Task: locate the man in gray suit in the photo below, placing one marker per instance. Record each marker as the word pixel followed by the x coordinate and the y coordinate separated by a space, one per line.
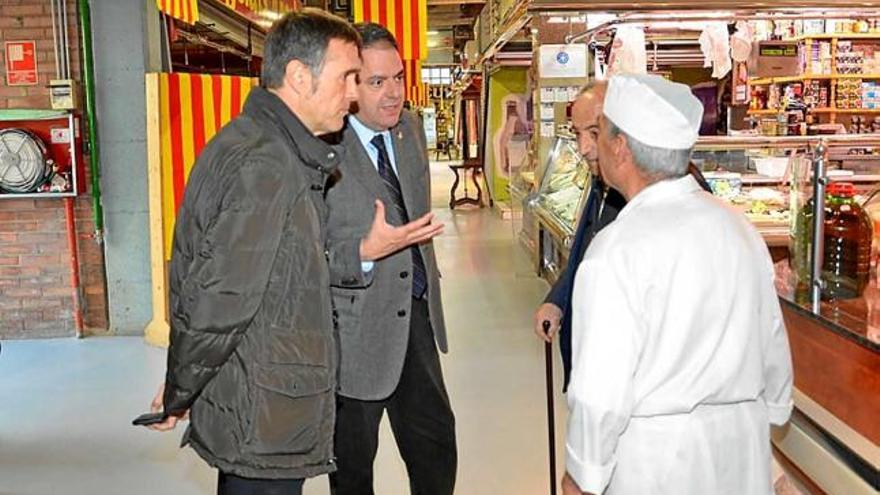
pixel 389 313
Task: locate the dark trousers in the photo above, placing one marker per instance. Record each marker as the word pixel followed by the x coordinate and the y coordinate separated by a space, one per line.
pixel 228 484
pixel 420 417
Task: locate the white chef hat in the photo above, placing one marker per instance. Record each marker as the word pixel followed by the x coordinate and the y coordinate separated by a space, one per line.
pixel 655 111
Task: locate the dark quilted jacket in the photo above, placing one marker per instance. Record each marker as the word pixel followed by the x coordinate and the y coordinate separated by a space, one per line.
pixel 253 352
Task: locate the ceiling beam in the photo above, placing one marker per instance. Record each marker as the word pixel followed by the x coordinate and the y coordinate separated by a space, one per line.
pixel 450 19
pixel 449 24
pixel 454 2
pixel 446 16
pixel 450 13
pixel 438 21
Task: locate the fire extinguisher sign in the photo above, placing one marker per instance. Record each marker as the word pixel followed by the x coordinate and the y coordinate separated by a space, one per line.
pixel 21 63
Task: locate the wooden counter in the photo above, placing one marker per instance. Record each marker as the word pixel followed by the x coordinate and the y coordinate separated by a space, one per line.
pixel 835 369
pixel 836 360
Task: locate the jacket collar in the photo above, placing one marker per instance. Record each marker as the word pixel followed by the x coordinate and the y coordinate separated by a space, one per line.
pixel 269 109
pixel 406 155
pixel 366 135
pixel 359 163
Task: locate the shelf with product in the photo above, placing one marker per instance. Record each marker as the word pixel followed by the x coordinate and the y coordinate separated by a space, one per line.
pixel 814 78
pixel 836 36
pixel 810 77
pixel 846 110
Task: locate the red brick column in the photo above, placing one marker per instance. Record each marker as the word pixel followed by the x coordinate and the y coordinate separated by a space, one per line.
pixel 36 299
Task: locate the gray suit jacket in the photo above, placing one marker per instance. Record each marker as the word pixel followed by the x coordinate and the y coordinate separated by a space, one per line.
pixel 373 309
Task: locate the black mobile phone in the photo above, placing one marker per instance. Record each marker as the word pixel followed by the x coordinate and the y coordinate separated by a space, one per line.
pixel 148 419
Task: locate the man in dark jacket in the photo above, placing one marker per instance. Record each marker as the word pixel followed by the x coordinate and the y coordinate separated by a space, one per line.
pixel 253 355
pixel 602 206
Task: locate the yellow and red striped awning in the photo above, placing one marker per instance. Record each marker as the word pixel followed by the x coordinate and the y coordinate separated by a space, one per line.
pixel 406 19
pixel 185 10
pixel 412 70
pixel 261 10
pixel 192 108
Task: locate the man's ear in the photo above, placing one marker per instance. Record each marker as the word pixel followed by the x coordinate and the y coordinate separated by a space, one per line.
pixel 298 77
pixel 620 150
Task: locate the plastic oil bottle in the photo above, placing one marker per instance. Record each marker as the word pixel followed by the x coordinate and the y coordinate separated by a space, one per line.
pixel 848 234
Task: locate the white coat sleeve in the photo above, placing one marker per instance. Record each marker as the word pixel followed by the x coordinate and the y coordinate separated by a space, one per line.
pixel 777 356
pixel 605 351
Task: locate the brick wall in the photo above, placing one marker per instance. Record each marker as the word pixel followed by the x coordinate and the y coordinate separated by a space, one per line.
pixel 36 299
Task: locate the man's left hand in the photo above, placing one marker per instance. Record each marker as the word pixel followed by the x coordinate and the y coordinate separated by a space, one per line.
pixel 172 419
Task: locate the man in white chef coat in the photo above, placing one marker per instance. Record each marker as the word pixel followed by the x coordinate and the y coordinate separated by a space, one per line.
pixel 680 357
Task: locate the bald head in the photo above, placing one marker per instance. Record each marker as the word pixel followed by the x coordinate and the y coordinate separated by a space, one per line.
pixel 585 120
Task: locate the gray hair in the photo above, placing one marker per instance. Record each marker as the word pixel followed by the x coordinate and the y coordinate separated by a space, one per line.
pixel 655 163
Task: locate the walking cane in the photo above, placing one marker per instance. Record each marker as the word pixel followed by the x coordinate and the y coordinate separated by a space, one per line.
pixel 551 416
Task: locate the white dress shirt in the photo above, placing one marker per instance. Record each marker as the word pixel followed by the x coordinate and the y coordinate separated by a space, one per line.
pixel 366 135
pixel 680 356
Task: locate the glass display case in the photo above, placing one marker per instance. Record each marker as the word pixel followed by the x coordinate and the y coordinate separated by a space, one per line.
pixel 566 177
pixel 757 175
pixel 558 205
pixel 753 181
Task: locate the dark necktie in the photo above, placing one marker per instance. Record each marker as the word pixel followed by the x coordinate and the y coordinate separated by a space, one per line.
pixel 383 164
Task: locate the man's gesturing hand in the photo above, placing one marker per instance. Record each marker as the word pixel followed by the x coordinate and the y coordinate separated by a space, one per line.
pixel 384 239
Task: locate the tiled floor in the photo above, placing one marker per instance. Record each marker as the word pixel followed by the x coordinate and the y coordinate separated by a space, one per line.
pixel 65 405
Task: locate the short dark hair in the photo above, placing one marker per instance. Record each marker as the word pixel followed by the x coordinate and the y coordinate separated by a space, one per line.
pixel 302 36
pixel 374 34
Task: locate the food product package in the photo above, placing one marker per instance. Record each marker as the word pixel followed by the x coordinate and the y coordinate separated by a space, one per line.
pixel 715 45
pixel 628 54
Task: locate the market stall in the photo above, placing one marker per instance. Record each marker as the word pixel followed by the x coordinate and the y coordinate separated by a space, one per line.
pixel 795 85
